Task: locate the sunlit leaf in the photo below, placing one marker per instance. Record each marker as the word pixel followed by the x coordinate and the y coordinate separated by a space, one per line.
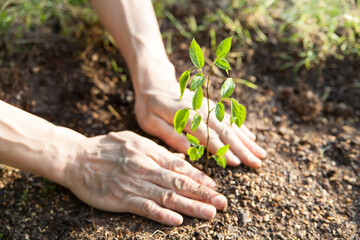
pixel 221 151
pixel 238 113
pixel 193 153
pixel 197 98
pixel 220 111
pixel 223 64
pixel 200 151
pixel 195 122
pixel 224 47
pixel 227 88
pixel 180 119
pixel 197 81
pixel 192 140
pixel 220 160
pixel 183 82
pixel 196 55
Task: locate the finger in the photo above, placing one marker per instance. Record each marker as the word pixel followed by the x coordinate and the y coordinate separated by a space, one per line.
pixel 170 199
pixel 250 144
pixel 185 168
pixel 187 187
pixel 150 209
pixel 251 135
pixel 228 136
pixel 165 132
pixel 180 155
pixel 243 129
pixel 241 145
pixel 240 134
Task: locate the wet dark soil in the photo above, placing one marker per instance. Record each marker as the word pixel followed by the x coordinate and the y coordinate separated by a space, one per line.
pixel 307 188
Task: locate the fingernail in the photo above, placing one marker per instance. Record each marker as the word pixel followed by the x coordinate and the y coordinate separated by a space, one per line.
pixel 256 161
pixel 252 136
pixel 208 211
pixel 219 202
pixel 236 160
pixel 176 219
pixel 262 152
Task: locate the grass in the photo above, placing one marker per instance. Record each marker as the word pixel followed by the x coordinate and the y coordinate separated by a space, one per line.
pixel 317 28
pixel 23 14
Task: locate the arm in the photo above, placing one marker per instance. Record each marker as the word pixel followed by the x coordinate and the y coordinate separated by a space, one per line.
pixel 134 27
pixel 117 172
pixel 21 146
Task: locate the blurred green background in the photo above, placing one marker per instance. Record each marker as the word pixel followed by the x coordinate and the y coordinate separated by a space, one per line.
pixel 316 28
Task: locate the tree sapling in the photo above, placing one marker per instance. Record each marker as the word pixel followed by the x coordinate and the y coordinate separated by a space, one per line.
pixel 238 111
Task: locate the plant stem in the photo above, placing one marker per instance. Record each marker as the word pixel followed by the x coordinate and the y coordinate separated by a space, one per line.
pixel 208 117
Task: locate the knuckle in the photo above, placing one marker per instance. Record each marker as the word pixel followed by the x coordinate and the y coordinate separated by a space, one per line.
pixel 148 208
pixel 215 139
pixel 168 198
pixel 180 183
pixel 177 165
pixel 225 131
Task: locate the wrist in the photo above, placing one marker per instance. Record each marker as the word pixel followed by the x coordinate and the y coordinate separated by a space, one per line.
pixel 63 145
pixel 152 73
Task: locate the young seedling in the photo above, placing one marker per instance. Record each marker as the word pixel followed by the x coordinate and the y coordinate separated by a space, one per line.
pixel 238 111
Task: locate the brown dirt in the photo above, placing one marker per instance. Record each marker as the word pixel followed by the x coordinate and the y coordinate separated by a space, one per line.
pixel 307 188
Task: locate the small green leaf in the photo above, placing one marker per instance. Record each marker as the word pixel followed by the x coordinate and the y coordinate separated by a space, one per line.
pixel 227 88
pixel 220 111
pixel 193 140
pixel 193 153
pixel 200 151
pixel 224 47
pixel 223 64
pixel 195 122
pixel 183 82
pixel 196 55
pixel 221 151
pixel 197 98
pixel 180 120
pixel 197 81
pixel 220 160
pixel 238 113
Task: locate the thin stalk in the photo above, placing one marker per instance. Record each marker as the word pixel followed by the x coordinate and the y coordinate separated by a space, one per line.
pixel 208 117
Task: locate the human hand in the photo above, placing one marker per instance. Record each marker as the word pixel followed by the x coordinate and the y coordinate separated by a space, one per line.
pixel 124 172
pixel 155 108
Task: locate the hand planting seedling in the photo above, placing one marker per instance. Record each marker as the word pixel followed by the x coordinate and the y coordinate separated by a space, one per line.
pixel 238 111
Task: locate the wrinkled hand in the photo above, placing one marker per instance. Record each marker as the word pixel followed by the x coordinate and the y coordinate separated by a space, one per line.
pixel 156 108
pixel 124 172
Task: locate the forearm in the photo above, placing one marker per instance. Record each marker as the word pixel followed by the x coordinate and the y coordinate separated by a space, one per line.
pixel 135 29
pixel 32 144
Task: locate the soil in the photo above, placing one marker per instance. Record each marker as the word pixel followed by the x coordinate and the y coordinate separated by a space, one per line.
pixel 307 188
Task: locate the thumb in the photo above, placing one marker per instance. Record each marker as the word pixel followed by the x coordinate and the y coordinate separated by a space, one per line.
pixel 166 132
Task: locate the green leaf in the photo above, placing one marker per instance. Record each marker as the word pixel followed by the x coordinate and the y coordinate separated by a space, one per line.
pixel 193 153
pixel 200 151
pixel 227 88
pixel 238 113
pixel 197 81
pixel 221 151
pixel 193 140
pixel 246 83
pixel 183 82
pixel 180 120
pixel 195 122
pixel 220 111
pixel 196 55
pixel 220 160
pixel 224 47
pixel 197 98
pixel 223 64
